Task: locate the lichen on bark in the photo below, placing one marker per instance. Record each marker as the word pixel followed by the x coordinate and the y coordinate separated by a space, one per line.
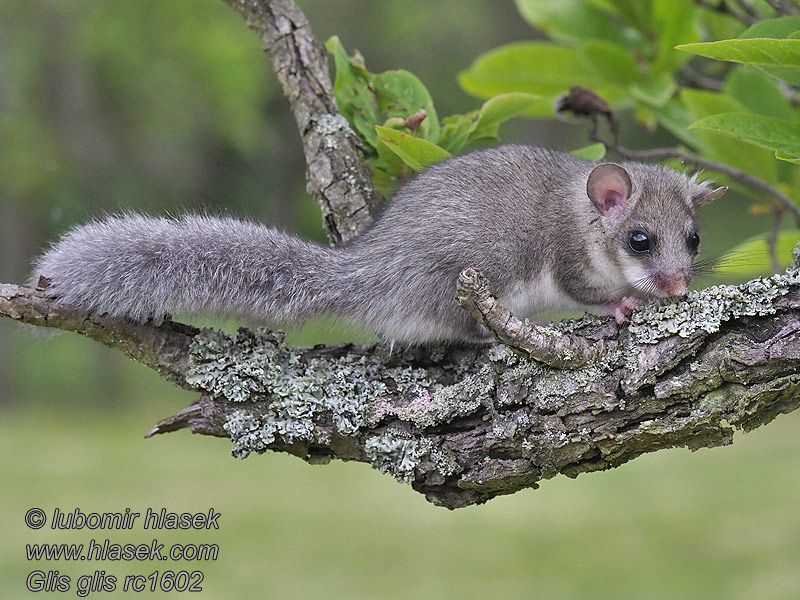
pixel 708 308
pixel 461 425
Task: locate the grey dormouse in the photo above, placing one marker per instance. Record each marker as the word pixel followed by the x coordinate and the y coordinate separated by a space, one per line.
pixel 548 230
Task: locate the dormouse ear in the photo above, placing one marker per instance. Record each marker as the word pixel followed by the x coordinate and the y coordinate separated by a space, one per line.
pixel 609 187
pixel 705 195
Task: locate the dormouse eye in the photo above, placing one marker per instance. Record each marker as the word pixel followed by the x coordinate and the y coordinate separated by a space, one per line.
pixel 693 241
pixel 639 241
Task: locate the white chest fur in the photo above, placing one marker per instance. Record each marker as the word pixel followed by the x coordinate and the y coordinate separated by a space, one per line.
pixel 533 296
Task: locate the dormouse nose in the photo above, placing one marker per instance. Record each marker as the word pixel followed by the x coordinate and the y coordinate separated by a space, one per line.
pixel 677 285
pixel 672 284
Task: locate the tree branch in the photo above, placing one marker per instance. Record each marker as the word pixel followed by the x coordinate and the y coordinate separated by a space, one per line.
pixel 747 14
pixel 163 348
pixel 546 345
pixel 585 103
pixel 749 9
pixel 784 7
pixel 337 177
pixel 463 425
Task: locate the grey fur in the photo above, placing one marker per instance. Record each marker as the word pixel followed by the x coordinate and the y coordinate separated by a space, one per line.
pixel 519 214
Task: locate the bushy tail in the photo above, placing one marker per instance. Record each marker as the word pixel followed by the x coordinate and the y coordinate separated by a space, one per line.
pixel 145 267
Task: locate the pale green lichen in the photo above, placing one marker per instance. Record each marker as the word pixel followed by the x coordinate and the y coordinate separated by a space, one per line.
pixel 305 396
pixel 552 330
pixel 442 403
pixel 705 310
pixel 254 365
pixel 531 381
pixel 248 434
pixel 503 354
pixel 232 371
pixel 394 454
pixel 329 126
pixel 517 382
pixel 573 325
pixel 443 459
pixel 795 264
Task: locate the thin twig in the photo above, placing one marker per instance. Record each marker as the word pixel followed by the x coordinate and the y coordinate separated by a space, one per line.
pixel 163 347
pixel 749 9
pixel 751 181
pixel 723 7
pixel 543 344
pixel 699 80
pixel 772 240
pixel 784 7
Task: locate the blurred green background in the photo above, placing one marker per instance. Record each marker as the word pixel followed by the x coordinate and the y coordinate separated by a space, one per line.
pixel 170 106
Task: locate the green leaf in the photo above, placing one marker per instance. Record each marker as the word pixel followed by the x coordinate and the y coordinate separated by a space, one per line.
pixel 532 67
pixel 758 93
pixel 356 100
pixel 455 131
pixel 637 13
pixel 645 116
pixel 366 99
pixel 768 132
pixel 656 92
pixel 503 107
pixel 790 75
pixel 572 21
pixel 382 179
pixel 613 63
pixel 593 152
pixel 751 258
pixel 675 117
pixel 795 160
pixel 676 23
pixel 780 28
pixel 386 161
pixel 400 93
pixel 720 26
pixel 498 109
pixel 703 103
pixel 538 68
pixel 760 51
pixel 417 153
pixel 720 146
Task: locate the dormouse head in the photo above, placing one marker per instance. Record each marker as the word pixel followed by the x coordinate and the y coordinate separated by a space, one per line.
pixel 648 215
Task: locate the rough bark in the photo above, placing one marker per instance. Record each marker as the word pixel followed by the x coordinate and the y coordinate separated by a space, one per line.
pixel 547 345
pixel 163 348
pixel 337 177
pixel 463 425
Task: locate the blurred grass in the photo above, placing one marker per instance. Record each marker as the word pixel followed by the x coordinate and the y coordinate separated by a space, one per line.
pixel 719 523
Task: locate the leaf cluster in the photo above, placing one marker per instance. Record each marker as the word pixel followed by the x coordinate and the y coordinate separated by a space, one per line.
pixel 395 116
pixel 646 57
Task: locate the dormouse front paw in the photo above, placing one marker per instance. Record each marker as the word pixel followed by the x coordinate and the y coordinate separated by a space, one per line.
pixel 624 307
